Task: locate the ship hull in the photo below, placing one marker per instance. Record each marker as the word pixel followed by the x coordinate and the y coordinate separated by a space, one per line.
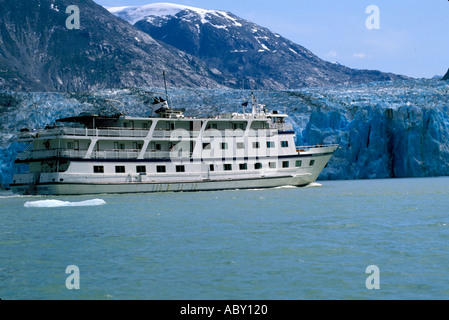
pixel 77 184
pixel 99 188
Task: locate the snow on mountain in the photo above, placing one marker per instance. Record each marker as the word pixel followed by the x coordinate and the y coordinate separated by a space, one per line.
pixel 384 130
pixel 133 14
pixel 240 53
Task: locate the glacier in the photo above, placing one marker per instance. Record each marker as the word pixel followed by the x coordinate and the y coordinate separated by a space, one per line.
pixel 384 129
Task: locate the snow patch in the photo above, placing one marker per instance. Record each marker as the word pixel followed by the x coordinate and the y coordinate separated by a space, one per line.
pixel 132 14
pixel 293 51
pixel 54 7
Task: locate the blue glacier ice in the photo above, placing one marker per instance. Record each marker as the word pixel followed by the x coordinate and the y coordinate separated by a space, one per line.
pixel 384 129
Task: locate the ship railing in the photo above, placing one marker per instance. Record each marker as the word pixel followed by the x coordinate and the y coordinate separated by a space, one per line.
pixel 134 154
pixel 262 132
pixel 166 134
pixel 115 154
pixel 281 126
pixel 51 153
pixel 317 146
pixel 103 154
pixel 211 133
pixel 106 132
pixel 85 132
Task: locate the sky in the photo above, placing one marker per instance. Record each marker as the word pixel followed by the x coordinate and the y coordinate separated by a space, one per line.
pixel 404 37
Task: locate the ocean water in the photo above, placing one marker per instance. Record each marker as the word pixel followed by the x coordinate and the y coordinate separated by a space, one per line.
pixel 277 244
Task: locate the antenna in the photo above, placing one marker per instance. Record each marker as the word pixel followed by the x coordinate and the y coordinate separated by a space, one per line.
pixel 165 83
pixel 111 100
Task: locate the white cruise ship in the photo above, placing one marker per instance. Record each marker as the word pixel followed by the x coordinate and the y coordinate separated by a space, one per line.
pixel 166 152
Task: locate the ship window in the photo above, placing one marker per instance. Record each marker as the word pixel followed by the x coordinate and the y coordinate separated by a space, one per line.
pixel 63 166
pixel 284 144
pixel 285 164
pixel 98 169
pixel 256 145
pixel 69 145
pixel 170 126
pixel 312 162
pixel 224 145
pixel 270 144
pixel 141 169
pixel 161 169
pixel 243 166
pixel 298 163
pixel 180 169
pixel 122 146
pixel 240 145
pixel 77 145
pixel 258 166
pixel 211 167
pixel 119 169
pixel 272 165
pixel 227 167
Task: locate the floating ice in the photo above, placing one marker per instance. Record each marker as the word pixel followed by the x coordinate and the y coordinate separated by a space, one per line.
pixel 58 203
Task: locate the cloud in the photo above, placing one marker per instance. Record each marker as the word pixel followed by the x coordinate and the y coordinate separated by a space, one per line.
pixel 360 55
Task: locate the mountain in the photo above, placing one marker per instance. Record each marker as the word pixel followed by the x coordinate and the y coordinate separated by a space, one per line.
pixel 446 76
pixel 39 53
pixel 239 50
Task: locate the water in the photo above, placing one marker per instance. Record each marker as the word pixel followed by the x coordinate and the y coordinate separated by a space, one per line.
pixel 276 244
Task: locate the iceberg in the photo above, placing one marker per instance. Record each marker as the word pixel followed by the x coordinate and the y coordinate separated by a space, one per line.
pixel 384 129
pixel 58 203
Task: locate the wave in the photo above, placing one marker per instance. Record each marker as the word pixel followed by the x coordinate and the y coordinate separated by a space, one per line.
pixel 314 185
pixel 286 187
pixel 58 203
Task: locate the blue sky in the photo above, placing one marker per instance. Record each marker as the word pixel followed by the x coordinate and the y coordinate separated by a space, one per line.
pixel 413 38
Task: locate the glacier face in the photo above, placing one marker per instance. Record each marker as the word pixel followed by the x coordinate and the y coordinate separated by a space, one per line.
pixel 384 129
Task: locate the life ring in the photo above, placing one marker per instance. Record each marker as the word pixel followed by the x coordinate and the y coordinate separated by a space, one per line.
pixel 47 144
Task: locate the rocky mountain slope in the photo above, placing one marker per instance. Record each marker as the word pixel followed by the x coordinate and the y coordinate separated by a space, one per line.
pixel 446 76
pixel 242 52
pixel 39 53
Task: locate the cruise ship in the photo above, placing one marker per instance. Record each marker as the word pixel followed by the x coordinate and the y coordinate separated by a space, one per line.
pixel 166 152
